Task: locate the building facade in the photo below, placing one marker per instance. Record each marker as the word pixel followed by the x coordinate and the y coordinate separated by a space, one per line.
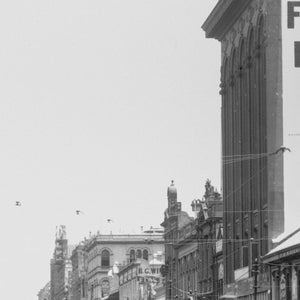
pixel 142 279
pixel 61 267
pixel 210 228
pixel 186 249
pixel 252 135
pixel 44 293
pixel 284 262
pixel 105 251
pixel 193 246
pixel 78 289
pixel 174 218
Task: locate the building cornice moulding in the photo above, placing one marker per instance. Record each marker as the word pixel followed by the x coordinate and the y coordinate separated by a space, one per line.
pixel 223 16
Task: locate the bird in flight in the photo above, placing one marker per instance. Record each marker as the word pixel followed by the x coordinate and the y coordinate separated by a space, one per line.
pixel 282 149
pixel 18 203
pixel 78 212
pixel 109 220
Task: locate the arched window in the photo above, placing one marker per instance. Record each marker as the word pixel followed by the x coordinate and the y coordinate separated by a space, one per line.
pixel 138 253
pixel 105 288
pixel 105 259
pixel 132 256
pixel 145 254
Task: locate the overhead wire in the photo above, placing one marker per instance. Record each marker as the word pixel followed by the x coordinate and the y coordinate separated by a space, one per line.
pixel 213 241
pixel 227 161
pixel 239 188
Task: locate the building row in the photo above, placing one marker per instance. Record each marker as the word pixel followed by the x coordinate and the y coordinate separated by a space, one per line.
pixel 172 259
pixel 106 266
pixel 194 246
pixel 241 253
pixel 233 246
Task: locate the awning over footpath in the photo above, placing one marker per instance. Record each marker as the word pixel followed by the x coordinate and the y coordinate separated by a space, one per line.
pixel 287 246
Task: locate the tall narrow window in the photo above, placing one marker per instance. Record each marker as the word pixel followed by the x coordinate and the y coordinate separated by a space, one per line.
pixel 105 259
pixel 132 255
pixel 138 253
pixel 104 288
pixel 145 254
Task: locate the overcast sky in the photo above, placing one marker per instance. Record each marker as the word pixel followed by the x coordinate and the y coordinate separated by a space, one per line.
pixel 103 103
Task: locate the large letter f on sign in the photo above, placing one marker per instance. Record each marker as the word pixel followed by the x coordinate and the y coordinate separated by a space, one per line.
pixel 292 13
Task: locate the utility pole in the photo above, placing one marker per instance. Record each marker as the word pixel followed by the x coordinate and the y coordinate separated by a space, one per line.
pixel 255 272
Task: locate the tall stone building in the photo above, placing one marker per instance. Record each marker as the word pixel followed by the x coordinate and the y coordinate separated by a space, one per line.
pixel 61 266
pixel 192 246
pixel 209 239
pixel 78 289
pixel 252 134
pixel 104 251
pixel 142 279
pixel 174 218
pixel 44 293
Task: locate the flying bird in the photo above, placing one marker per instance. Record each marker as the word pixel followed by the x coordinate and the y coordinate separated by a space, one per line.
pixel 109 220
pixel 18 203
pixel 282 149
pixel 78 212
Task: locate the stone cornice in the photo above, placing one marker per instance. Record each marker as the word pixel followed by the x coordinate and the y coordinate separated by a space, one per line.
pixel 225 13
pixel 283 255
pixel 124 239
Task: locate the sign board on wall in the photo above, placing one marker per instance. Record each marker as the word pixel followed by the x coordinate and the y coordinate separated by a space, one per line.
pixel 291 104
pixel 293 20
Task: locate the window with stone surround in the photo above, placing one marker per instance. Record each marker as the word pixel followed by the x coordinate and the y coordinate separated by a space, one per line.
pixel 105 259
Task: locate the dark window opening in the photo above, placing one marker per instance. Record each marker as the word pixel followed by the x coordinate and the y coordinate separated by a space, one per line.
pixel 105 258
pixel 132 256
pixel 145 254
pixel 139 254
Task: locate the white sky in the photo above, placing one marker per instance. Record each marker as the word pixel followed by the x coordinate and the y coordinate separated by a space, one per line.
pixel 103 103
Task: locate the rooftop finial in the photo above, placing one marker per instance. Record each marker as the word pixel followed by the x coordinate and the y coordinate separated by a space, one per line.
pixel 172 191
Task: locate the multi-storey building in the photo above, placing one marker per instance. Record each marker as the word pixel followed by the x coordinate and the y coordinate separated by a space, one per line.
pixel 252 135
pixel 186 259
pixel 61 267
pixel 44 293
pixel 193 246
pixel 209 227
pixel 78 288
pixel 142 279
pixel 105 251
pixel 174 218
pixel 284 262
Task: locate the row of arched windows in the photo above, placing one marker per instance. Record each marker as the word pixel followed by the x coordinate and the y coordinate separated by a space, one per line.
pixel 138 254
pixel 133 255
pixel 244 107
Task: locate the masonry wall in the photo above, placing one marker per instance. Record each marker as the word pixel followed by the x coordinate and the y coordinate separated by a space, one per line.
pixel 119 252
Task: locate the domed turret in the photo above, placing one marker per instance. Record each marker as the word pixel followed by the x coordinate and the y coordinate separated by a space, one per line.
pixel 172 194
pixel 172 191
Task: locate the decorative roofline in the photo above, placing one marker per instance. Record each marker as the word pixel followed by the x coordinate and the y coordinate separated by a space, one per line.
pixel 224 14
pixel 124 239
pixel 282 254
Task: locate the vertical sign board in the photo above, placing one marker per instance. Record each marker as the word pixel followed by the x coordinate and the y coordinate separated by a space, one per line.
pixel 297 54
pixel 293 13
pixel 291 103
